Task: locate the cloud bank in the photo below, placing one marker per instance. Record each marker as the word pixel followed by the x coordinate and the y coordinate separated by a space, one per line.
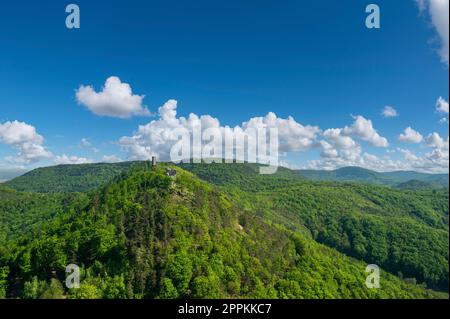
pixel 25 139
pixel 158 137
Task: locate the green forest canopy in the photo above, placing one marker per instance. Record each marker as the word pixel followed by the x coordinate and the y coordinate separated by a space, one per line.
pixel 142 234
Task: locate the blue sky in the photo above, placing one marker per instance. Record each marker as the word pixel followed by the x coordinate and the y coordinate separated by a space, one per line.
pixel 233 60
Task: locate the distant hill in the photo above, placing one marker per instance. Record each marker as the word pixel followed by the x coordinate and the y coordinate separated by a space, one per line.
pixel 68 178
pixel 358 174
pixel 414 184
pixel 85 177
pixel 246 176
pixel 353 174
pixel 404 176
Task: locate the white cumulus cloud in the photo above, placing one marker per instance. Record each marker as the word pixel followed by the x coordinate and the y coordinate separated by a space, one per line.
pixel 25 139
pixel 442 108
pixel 410 135
pixel 116 99
pixel 363 129
pixel 439 14
pixel 339 139
pixel 434 140
pixel 408 155
pixel 13 133
pixel 389 111
pixel 339 149
pixel 437 159
pixel 442 105
pixel 293 136
pixel 157 137
pixel 328 150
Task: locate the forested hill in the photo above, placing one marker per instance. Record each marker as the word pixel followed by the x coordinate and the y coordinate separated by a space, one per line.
pixel 68 178
pixel 147 235
pixel 405 231
pixel 84 177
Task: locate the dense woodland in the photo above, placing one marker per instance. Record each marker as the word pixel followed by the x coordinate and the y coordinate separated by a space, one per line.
pixel 217 231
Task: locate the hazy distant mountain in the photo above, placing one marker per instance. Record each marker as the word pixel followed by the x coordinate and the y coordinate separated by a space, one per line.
pixel 358 174
pixel 8 173
pixel 414 184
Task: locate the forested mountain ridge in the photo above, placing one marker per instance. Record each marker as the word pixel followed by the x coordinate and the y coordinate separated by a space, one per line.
pixel 358 174
pixel 68 178
pixel 147 235
pixel 85 177
pixel 405 231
